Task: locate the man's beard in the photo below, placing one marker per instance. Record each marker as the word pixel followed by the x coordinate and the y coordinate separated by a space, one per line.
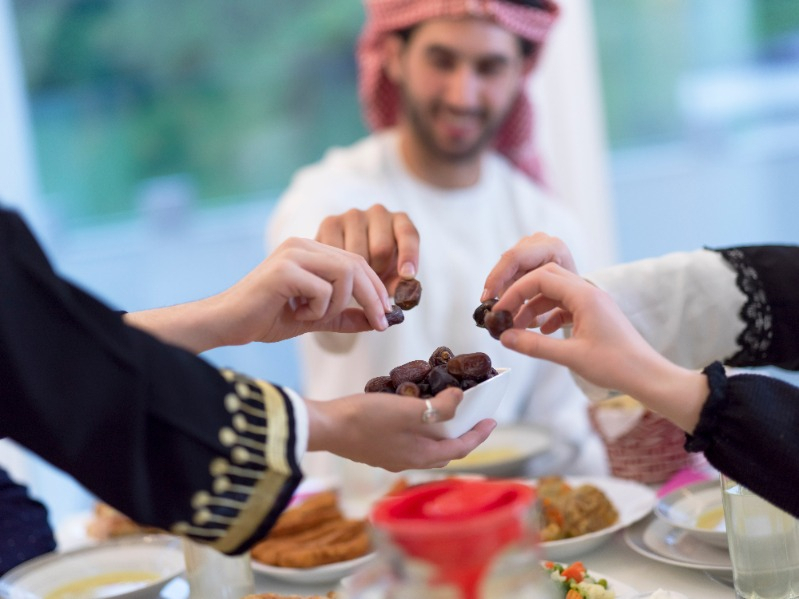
pixel 423 131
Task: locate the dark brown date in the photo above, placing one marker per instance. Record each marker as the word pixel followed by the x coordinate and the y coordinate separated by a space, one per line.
pixel 442 355
pixel 481 310
pixel 408 293
pixel 468 384
pixel 379 384
pixel 395 316
pixel 469 366
pixel 498 322
pixel 439 379
pixel 414 371
pixel 410 389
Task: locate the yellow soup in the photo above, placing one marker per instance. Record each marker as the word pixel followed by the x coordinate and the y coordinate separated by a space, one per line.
pixel 711 519
pixel 482 457
pixel 104 585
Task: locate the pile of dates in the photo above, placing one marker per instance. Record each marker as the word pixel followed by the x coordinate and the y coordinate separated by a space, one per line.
pixel 426 378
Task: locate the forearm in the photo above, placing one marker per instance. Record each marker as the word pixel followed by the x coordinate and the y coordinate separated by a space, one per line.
pixel 194 326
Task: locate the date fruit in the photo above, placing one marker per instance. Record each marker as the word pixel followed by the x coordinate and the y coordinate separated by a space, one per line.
pixel 410 389
pixel 379 384
pixel 395 316
pixel 408 293
pixel 476 365
pixel 442 355
pixel 414 371
pixel 439 379
pixel 426 378
pixel 498 322
pixel 481 310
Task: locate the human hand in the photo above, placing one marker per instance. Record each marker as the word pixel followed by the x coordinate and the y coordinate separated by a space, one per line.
pixel 528 254
pixel 603 346
pixel 387 430
pixel 387 240
pixel 303 286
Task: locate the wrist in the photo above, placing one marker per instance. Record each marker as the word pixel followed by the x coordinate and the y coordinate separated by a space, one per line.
pixel 321 424
pixel 675 392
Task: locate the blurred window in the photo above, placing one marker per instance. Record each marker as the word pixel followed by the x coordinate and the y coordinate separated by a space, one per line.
pixel 702 106
pixel 202 101
pixel 673 68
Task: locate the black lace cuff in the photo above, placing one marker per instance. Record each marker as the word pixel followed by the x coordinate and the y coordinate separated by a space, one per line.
pixel 755 339
pixel 705 429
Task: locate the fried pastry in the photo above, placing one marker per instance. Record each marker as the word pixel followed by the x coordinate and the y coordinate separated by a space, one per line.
pixel 314 511
pixel 330 542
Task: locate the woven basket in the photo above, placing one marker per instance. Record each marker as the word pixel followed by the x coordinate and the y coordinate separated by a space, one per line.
pixel 651 452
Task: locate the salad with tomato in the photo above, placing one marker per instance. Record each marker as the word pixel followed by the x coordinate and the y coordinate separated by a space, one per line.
pixel 577 583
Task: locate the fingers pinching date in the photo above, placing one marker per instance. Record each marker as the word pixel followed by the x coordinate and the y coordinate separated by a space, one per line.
pixel 395 316
pixel 408 293
pixel 498 322
pixel 481 311
pixel 426 378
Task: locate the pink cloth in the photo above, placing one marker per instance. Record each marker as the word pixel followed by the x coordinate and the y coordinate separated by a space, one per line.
pixel 380 98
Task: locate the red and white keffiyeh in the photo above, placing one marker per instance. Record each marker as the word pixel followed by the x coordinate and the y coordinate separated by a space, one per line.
pixel 381 99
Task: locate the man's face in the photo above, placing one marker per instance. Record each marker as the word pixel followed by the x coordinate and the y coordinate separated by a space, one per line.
pixel 458 79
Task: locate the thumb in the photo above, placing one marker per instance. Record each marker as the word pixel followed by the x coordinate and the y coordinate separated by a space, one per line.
pixel 536 345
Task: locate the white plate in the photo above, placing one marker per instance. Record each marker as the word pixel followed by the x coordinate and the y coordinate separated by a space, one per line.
pixel 622 591
pixel 633 501
pixel 327 573
pixel 478 403
pixel 505 452
pixel 158 555
pixel 655 539
pixel 688 506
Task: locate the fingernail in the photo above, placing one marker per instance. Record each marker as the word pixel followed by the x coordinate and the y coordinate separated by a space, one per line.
pixel 386 304
pixel 383 322
pixel 509 337
pixel 407 270
pixel 485 295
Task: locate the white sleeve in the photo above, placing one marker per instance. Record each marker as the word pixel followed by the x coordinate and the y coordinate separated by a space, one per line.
pixel 686 305
pixel 301 423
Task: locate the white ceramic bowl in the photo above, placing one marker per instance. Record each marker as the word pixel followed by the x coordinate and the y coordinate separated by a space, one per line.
pixel 478 403
pixel 135 567
pixel 696 509
pixel 505 453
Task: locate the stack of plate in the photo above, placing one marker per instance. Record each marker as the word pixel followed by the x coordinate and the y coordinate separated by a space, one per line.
pixel 686 529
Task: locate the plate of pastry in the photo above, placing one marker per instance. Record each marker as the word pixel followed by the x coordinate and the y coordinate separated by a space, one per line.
pixel 316 575
pixel 314 542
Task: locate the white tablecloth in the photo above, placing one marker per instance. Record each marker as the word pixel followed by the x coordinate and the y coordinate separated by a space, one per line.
pixel 613 559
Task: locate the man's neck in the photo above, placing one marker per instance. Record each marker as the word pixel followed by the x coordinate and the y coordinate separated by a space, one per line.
pixel 435 171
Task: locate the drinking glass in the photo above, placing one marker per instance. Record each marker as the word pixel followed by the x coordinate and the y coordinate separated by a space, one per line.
pixel 764 545
pixel 212 574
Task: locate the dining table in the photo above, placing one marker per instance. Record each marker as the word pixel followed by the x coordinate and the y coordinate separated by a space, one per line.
pixel 613 559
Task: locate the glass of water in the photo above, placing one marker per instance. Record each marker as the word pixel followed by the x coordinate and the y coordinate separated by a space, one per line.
pixel 764 545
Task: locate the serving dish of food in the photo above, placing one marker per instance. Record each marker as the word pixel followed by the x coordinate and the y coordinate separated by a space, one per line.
pixel 483 385
pixel 697 509
pixel 579 513
pixel 505 453
pixel 132 567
